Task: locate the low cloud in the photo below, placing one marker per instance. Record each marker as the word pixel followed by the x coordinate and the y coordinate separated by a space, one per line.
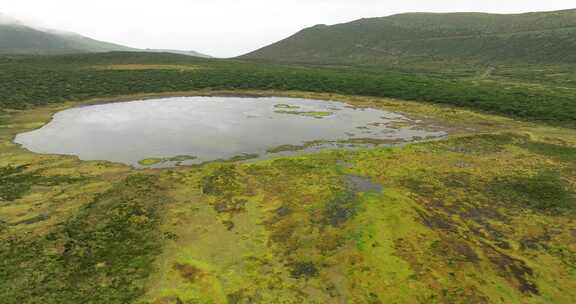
pixel 8 20
pixel 5 19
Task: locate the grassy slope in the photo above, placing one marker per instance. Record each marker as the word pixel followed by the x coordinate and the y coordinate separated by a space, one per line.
pixel 545 37
pixel 23 40
pixel 18 39
pixel 485 217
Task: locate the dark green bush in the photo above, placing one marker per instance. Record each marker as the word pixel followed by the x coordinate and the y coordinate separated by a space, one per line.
pixel 102 255
pixel 41 80
pixel 545 191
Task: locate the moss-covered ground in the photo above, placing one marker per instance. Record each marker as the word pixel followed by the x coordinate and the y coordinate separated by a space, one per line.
pixel 317 114
pixel 485 216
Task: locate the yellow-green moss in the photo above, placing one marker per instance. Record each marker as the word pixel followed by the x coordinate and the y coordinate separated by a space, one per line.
pixel 150 161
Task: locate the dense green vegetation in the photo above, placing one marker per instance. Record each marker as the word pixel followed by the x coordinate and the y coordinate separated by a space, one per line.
pixel 543 37
pixel 15 181
pixel 103 254
pixel 546 190
pixel 26 81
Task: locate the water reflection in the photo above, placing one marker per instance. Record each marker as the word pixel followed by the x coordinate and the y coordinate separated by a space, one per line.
pixel 190 130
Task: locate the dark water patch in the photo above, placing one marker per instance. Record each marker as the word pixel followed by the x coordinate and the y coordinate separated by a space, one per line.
pixel 303 270
pixel 340 208
pixel 358 183
pixel 282 211
pixel 189 272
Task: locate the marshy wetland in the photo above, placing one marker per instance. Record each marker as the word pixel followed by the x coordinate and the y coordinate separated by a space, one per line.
pixel 175 131
pixel 417 158
pixel 485 215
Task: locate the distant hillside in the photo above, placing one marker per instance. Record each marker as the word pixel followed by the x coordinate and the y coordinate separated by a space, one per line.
pixel 179 52
pixel 19 38
pixel 531 37
pixel 22 39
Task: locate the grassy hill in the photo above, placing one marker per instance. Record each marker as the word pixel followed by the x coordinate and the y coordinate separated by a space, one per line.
pixel 179 52
pixel 543 37
pixel 21 39
pixel 17 38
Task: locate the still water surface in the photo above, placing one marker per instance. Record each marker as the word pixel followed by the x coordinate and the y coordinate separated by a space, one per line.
pixel 192 130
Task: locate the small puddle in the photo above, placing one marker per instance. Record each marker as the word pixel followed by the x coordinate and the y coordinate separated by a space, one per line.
pixel 362 184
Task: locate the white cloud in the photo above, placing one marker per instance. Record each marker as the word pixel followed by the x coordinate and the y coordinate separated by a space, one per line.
pixel 5 19
pixel 228 27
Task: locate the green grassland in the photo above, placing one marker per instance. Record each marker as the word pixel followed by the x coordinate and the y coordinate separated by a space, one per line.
pixel 487 216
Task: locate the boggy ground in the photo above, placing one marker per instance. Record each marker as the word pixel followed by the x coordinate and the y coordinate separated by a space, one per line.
pixel 486 216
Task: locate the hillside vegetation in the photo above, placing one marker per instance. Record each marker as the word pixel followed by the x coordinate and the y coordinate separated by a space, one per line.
pixel 543 37
pixel 17 38
pixel 26 81
pixel 21 39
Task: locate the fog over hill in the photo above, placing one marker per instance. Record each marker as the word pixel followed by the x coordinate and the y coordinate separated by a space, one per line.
pixel 19 38
pixel 5 19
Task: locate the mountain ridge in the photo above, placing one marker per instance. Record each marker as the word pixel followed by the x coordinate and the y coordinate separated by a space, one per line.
pixel 536 37
pixel 179 52
pixel 18 38
pixel 24 39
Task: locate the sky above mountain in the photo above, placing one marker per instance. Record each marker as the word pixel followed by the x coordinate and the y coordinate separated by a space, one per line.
pixel 227 28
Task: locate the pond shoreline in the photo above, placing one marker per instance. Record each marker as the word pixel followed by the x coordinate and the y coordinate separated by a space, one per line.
pixel 458 122
pixel 151 132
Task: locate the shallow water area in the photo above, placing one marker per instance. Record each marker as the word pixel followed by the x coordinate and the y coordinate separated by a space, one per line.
pixel 175 131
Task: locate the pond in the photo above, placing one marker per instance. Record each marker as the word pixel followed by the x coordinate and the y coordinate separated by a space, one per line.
pixel 175 131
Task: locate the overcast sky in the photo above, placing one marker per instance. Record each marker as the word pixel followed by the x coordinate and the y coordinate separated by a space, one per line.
pixel 227 28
